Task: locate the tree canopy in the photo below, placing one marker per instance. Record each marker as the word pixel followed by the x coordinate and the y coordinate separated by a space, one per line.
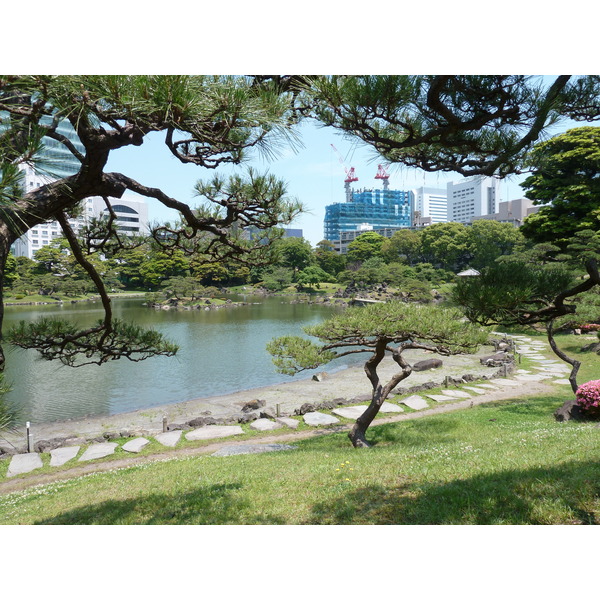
pixel 378 330
pixel 566 181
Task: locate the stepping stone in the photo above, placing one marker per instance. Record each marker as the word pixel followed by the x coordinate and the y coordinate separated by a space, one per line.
pixel 505 382
pixel 59 456
pixel 288 422
pixel 213 431
pixel 531 377
pixel 456 394
pixel 251 449
pixel 98 451
pixel 350 412
pixel 316 418
pixel 474 389
pixel 24 463
pixel 415 402
pixel 487 386
pixel 562 381
pixel 264 425
pixel 441 398
pixel 524 371
pixel 388 407
pixel 136 445
pixel 168 438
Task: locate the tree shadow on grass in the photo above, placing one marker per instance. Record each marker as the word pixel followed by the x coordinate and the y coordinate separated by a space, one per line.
pixel 565 494
pixel 205 505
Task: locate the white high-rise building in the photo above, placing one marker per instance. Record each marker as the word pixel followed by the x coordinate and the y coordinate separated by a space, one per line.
pixel 472 197
pixel 430 206
pixel 131 212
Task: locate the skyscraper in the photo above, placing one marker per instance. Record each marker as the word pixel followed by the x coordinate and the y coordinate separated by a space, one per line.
pixel 472 197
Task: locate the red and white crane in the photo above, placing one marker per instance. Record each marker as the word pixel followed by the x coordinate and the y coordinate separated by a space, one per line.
pixel 383 175
pixel 350 175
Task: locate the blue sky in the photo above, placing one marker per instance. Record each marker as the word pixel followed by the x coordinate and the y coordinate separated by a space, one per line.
pixel 312 172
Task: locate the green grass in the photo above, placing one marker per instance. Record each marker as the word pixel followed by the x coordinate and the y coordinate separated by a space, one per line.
pixel 507 462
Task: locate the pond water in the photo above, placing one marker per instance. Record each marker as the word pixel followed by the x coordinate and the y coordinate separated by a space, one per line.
pixel 221 351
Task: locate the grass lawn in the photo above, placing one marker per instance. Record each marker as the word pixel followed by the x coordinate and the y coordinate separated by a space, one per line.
pixel 503 463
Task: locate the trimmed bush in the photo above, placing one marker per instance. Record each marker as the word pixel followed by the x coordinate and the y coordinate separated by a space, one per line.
pixel 588 397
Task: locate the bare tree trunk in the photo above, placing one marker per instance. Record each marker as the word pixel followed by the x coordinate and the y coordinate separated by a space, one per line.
pixel 380 393
pixel 575 364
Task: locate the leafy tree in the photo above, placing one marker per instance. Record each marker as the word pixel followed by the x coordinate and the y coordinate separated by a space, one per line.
pixel 566 179
pixel 206 121
pixel 277 278
pixel 513 293
pixel 312 276
pixel 367 245
pixel 328 259
pixel 294 253
pixel 379 330
pixel 404 245
pixel 488 240
pixel 446 245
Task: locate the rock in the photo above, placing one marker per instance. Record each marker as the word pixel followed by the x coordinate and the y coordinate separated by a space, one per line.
pixel 23 463
pixel 265 425
pixel 202 422
pixel 316 418
pixel 111 435
pixel 319 376
pixel 246 417
pixel 415 402
pixel 169 438
pixel 99 450
pixel 362 398
pixel 213 431
pixel 267 413
pixel 288 422
pixel 59 456
pixel 496 360
pixel 48 445
pixel 305 408
pixel 327 405
pixel 570 410
pixel 136 445
pixel 425 365
pixel 176 426
pixel 253 405
pixel 351 412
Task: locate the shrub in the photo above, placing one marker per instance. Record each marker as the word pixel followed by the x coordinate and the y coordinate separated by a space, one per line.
pixel 588 397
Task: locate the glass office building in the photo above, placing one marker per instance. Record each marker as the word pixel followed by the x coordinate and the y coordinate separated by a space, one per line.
pixel 378 208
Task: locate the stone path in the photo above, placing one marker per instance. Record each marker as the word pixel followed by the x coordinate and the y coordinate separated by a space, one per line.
pixel 546 369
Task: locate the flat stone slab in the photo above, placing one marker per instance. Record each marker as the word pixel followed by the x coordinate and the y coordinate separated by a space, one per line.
pixel 441 397
pixel 98 451
pixel 213 431
pixel 488 386
pixel 264 425
pixel 136 445
pixel 316 418
pixel 288 422
pixel 474 389
pixel 562 381
pixel 532 377
pixel 168 438
pixel 456 394
pixel 350 412
pixel 388 407
pixel 59 456
pixel 23 463
pixel 524 371
pixel 505 382
pixel 415 402
pixel 252 449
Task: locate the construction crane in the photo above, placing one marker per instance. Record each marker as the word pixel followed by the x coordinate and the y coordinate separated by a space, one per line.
pixel 350 175
pixel 383 175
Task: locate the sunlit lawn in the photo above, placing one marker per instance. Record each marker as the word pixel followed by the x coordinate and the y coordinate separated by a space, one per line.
pixel 502 463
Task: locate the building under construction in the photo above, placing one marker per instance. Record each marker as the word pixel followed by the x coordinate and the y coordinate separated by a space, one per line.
pixel 377 208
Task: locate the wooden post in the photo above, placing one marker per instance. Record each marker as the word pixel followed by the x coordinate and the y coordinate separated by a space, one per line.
pixel 165 424
pixel 277 409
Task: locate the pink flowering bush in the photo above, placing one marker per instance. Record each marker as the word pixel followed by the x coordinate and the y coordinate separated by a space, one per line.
pixel 588 397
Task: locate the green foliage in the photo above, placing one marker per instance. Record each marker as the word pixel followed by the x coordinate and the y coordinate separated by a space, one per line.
pixel 510 293
pixel 488 240
pixel 294 253
pixel 312 276
pixel 62 340
pixel 404 244
pixel 566 176
pixel 328 259
pixel 293 354
pixel 446 245
pixel 367 245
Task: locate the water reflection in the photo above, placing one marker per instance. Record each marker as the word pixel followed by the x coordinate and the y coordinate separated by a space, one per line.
pixel 221 351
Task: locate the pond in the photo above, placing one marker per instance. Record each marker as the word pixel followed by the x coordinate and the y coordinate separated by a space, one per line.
pixel 221 351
